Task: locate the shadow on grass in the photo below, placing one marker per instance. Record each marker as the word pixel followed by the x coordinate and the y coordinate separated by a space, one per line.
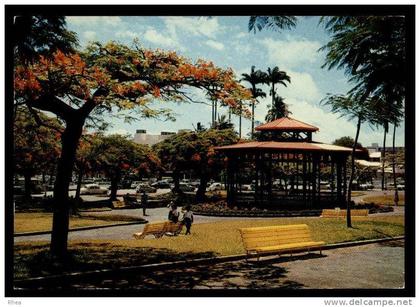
pixel 227 275
pixel 396 243
pixel 265 274
pixel 34 261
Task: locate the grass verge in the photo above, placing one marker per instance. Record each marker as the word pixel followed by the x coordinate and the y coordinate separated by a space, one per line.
pixel 387 200
pixel 42 221
pixel 210 239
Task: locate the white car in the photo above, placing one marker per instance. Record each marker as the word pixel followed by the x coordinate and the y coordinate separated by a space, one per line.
pixel 216 186
pixel 93 189
pixel 401 187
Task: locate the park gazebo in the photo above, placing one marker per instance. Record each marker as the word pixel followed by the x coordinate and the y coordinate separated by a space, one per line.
pixel 286 168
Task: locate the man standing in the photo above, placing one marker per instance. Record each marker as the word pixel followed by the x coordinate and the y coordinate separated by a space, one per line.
pixel 144 202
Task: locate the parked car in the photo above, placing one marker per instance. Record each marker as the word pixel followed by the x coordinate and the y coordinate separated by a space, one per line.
pixel 216 186
pixel 93 189
pixel 186 187
pixel 145 187
pixel 246 187
pixel 401 186
pixel 195 183
pixel 366 186
pixel 161 185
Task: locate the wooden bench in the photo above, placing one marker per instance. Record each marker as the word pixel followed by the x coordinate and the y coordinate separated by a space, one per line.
pixel 131 201
pixel 116 204
pixel 278 239
pixel 159 229
pixel 343 213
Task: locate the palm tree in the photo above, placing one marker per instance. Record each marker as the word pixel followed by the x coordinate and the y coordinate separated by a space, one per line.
pixel 354 108
pixel 277 111
pixel 276 76
pixel 272 22
pixel 223 123
pixel 371 50
pixel 255 78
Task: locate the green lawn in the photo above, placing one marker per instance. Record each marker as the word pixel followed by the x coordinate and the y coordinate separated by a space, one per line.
pixel 41 221
pixel 387 200
pixel 219 238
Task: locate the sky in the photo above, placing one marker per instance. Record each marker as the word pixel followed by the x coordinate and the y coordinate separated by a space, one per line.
pixel 226 41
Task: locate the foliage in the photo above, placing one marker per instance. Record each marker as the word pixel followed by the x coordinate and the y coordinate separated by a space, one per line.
pixel 278 110
pixel 371 49
pixel 194 151
pixel 255 78
pixel 271 22
pixel 41 35
pixel 346 141
pixel 115 155
pixel 36 147
pixel 114 75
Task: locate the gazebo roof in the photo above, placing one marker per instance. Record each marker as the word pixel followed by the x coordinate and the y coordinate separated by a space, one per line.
pixel 285 146
pixel 287 124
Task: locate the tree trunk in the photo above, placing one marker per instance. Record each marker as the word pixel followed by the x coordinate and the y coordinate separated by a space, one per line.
pixel 201 191
pixel 212 114
pixel 396 198
pixel 77 199
pixel 115 179
pixel 215 112
pixel 359 123
pixel 252 121
pixel 69 141
pixel 28 186
pixel 240 120
pixel 272 96
pixel 383 159
pixel 176 178
pixel 79 183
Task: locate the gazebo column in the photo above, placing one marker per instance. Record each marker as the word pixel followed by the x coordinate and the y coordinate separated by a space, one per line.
pixel 257 170
pixel 269 176
pixel 315 161
pixel 231 189
pixel 304 173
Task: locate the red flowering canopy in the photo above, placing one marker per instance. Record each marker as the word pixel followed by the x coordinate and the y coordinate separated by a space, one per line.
pixel 114 75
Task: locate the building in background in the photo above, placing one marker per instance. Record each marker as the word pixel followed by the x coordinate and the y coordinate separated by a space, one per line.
pixel 142 137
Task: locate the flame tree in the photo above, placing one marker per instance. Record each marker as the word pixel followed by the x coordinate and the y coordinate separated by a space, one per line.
pixel 106 79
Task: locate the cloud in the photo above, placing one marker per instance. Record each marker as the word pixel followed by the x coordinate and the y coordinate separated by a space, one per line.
pixel 291 53
pixel 89 35
pixel 301 86
pixel 199 26
pixel 126 34
pixel 215 45
pixel 94 20
pixel 120 131
pixel 241 35
pixel 155 37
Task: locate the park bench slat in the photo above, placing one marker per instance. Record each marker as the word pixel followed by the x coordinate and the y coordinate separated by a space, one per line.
pixel 159 229
pixel 291 246
pixel 285 238
pixel 343 213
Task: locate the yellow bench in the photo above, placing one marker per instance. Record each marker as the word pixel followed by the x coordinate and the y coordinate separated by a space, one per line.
pixel 159 229
pixel 278 239
pixel 118 204
pixel 343 213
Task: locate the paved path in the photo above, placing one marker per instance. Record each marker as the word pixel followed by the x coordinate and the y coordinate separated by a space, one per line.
pixel 123 232
pixel 372 266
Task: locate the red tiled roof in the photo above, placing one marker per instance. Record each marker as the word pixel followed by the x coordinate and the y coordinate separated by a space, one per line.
pixel 287 124
pixel 296 146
